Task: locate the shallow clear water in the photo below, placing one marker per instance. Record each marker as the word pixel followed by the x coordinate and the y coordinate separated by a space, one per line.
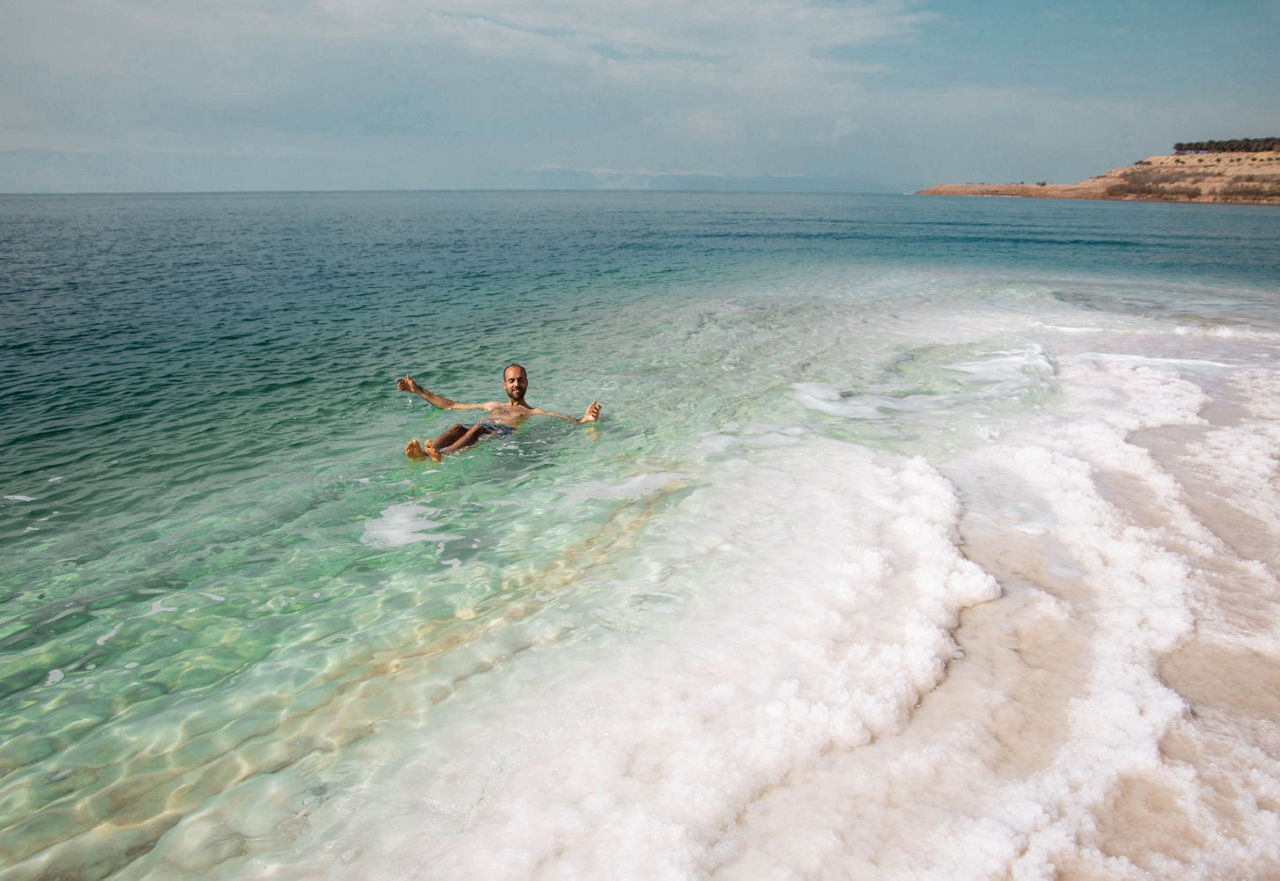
pixel 892 498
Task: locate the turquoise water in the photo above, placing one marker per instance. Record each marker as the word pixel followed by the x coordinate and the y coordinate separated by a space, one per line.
pixel 242 636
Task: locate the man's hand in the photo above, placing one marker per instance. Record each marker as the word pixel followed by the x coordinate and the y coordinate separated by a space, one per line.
pixel 406 384
pixel 592 414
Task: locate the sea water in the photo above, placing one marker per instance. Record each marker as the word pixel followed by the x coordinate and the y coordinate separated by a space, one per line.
pixel 918 538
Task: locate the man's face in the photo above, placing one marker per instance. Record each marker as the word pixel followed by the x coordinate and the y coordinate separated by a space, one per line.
pixel 515 381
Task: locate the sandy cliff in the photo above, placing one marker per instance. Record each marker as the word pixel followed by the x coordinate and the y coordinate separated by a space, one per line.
pixel 1190 177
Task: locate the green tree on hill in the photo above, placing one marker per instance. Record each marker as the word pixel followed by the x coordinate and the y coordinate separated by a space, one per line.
pixel 1235 145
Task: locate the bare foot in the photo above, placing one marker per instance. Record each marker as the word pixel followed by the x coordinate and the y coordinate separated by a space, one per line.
pixel 417 450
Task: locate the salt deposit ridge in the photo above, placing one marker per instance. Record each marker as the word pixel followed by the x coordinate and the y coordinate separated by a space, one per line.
pixel 1033 658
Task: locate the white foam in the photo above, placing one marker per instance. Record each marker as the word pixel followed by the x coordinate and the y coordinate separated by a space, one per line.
pixel 993 375
pixel 631 488
pixel 827 398
pixel 157 606
pixel 102 640
pixel 402 525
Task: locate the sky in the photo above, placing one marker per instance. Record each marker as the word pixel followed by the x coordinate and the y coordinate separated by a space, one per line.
pixel 788 95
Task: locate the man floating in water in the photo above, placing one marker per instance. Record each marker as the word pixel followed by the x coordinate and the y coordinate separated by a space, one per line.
pixel 503 418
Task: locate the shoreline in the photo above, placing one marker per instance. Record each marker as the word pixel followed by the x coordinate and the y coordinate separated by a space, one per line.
pixel 1218 178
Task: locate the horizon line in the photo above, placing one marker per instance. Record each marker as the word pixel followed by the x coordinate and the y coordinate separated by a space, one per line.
pixel 355 190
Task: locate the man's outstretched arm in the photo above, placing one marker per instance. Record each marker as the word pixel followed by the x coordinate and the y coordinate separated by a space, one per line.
pixel 406 384
pixel 592 414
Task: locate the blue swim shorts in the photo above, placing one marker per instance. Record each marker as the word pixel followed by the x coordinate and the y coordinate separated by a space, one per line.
pixel 501 429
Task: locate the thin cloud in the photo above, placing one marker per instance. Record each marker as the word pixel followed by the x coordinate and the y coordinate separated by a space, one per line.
pixel 495 92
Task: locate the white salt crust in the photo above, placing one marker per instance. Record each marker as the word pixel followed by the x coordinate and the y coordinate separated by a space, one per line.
pixel 760 723
pixel 837 582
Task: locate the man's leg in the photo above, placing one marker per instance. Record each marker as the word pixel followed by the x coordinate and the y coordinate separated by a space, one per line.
pixel 417 450
pixel 449 436
pixel 456 437
pixel 469 437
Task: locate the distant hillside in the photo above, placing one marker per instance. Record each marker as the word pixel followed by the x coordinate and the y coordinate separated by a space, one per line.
pixel 1240 177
